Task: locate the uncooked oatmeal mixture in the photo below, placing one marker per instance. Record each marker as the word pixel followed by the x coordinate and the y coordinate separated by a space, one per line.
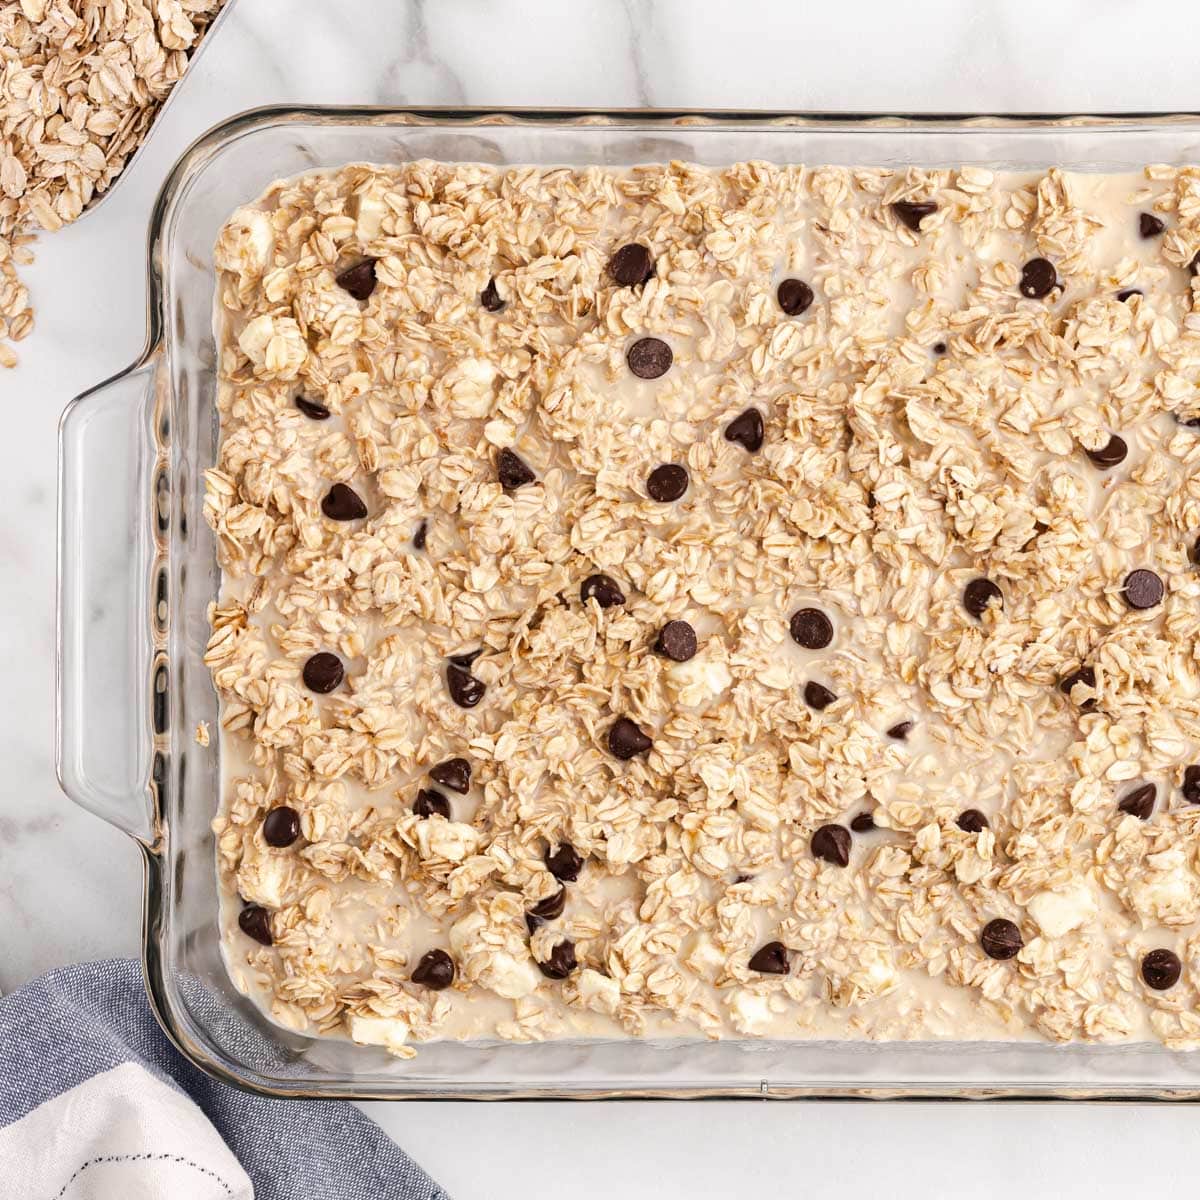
pixel 744 602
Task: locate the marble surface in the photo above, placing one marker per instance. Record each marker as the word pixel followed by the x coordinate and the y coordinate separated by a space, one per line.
pixel 69 885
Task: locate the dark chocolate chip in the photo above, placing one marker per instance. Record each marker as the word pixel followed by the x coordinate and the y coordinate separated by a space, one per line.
pixel 832 843
pixel 603 589
pixel 913 212
pixel 1128 294
pixel 323 672
pixel 649 358
pixel 465 690
pixel 561 961
pixel 454 773
pixel 359 280
pixel 465 660
pixel 552 907
pixel 817 695
pixel 1085 676
pixel 281 826
pixel 435 971
pixel 971 820
pixel 811 628
pixel 940 347
pixel 677 641
pixel 667 482
pixel 631 265
pixel 512 470
pixel 1161 969
pixel 771 959
pixel 1149 225
pixel 420 536
pixel 311 409
pixel 431 804
pixel 565 863
pixel 978 594
pixel 900 730
pixel 1143 589
pixel 342 503
pixel 1001 939
pixel 1191 784
pixel 1038 278
pixel 863 823
pixel 1110 454
pixel 255 922
pixel 625 739
pixel 490 298
pixel 794 296
pixel 1140 801
pixel 1194 265
pixel 746 430
pixel 1194 552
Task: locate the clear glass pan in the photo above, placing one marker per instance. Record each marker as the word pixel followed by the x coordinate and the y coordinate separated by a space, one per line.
pixel 137 570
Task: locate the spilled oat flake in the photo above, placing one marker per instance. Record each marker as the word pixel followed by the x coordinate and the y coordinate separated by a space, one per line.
pixel 80 84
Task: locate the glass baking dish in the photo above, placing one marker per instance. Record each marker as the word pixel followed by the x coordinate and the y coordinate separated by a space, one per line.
pixel 137 571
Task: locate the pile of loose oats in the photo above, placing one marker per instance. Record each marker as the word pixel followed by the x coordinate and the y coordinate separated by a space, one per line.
pixel 80 84
pixel 755 601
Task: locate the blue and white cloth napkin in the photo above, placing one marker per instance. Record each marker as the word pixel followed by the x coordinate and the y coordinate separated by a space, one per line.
pixel 96 1104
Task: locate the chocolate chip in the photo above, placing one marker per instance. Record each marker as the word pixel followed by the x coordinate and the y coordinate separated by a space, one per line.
pixel 431 804
pixel 512 470
pixel 940 347
pixel 631 265
pixel 1191 784
pixel 863 823
pixel 565 863
pixel 603 589
pixel 454 773
pixel 746 430
pixel 490 298
pixel 913 212
pixel 971 820
pixel 311 409
pixel 625 739
pixel 1110 454
pixel 359 280
pixel 1149 225
pixel 323 672
pixel 1085 676
pixel 667 482
pixel 1143 589
pixel 561 961
pixel 832 843
pixel 1194 265
pixel 255 922
pixel 342 503
pixel 649 358
pixel 1001 939
pixel 281 826
pixel 1161 969
pixel 420 536
pixel 435 971
pixel 771 959
pixel 978 594
pixel 1128 294
pixel 677 641
pixel 552 907
pixel 1038 278
pixel 1194 552
pixel 900 731
pixel 817 695
pixel 466 659
pixel 811 628
pixel 465 690
pixel 1140 801
pixel 794 296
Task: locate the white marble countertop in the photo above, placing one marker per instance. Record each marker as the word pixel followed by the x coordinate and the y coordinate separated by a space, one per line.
pixel 69 885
